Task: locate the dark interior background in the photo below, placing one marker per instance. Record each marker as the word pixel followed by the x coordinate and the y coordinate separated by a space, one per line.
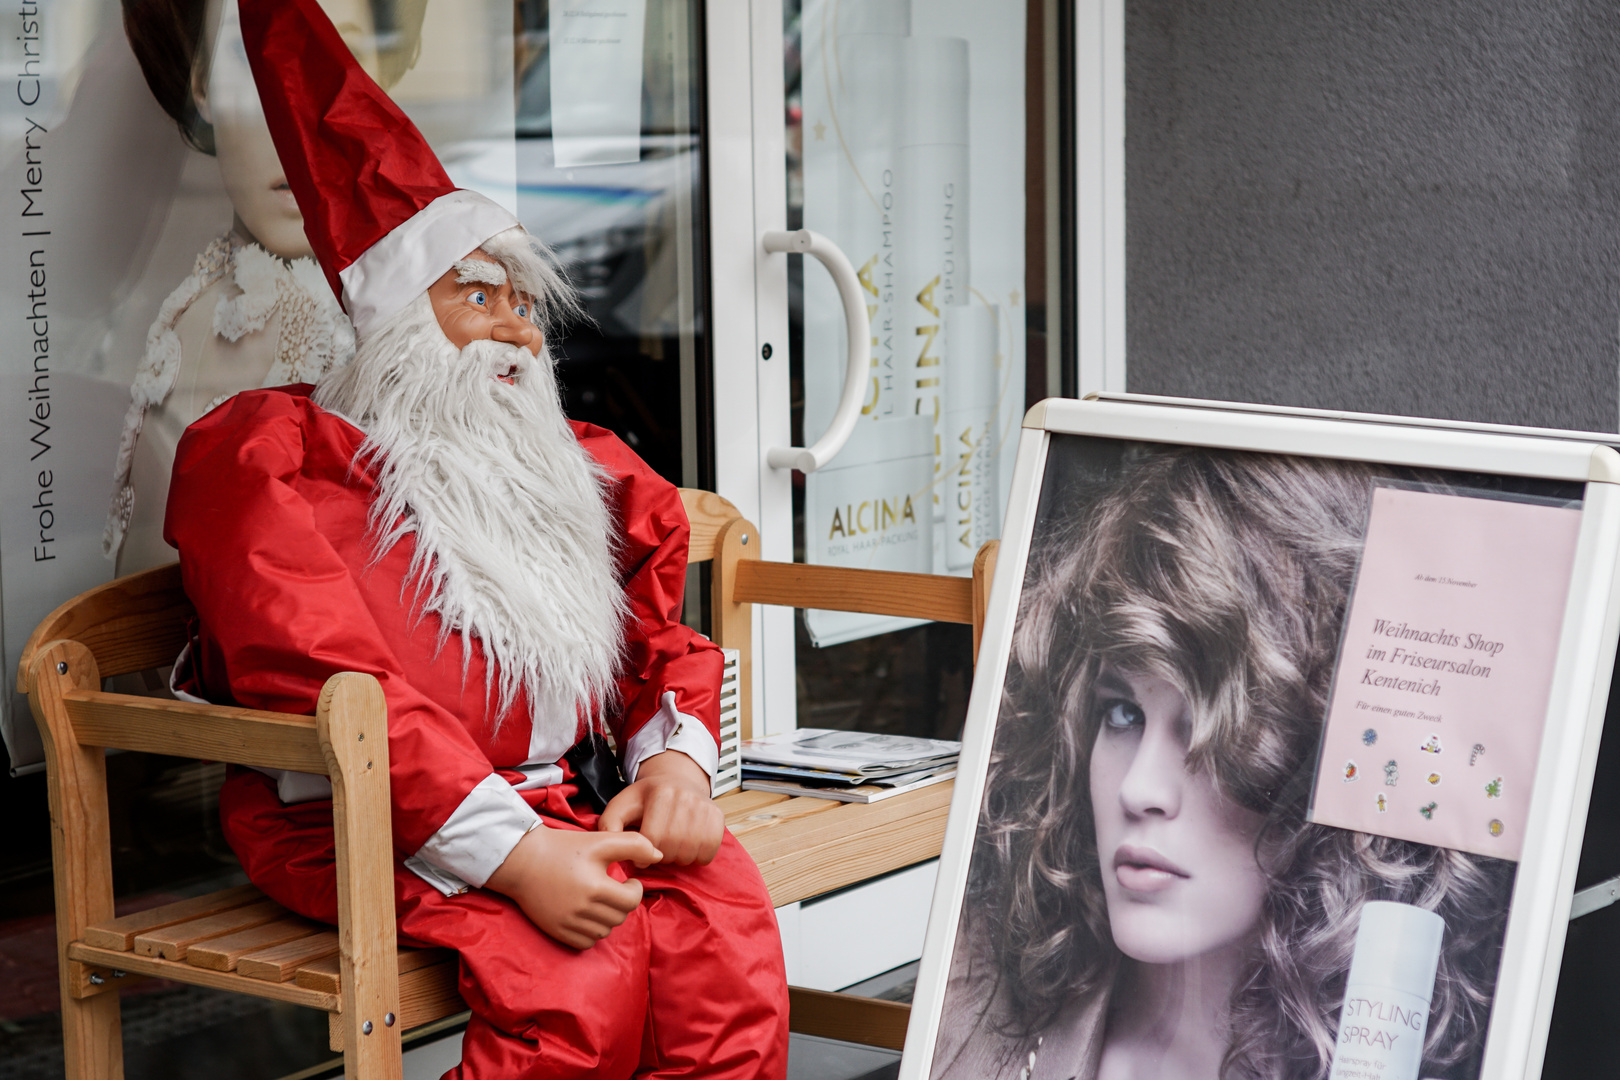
pixel 1401 206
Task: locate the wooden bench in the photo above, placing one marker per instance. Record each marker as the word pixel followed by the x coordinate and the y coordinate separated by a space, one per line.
pixel 373 990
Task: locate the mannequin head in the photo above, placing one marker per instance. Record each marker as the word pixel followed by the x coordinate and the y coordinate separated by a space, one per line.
pixel 191 54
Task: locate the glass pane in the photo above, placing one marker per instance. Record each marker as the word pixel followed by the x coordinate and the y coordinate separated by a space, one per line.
pixel 618 198
pixel 906 137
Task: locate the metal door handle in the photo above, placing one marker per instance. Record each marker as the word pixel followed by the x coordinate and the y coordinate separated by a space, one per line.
pixel 809 459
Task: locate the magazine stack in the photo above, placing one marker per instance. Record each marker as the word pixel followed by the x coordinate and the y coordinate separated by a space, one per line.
pixel 850 766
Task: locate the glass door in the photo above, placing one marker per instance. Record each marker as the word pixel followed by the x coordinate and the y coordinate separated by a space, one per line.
pixel 609 174
pixel 919 136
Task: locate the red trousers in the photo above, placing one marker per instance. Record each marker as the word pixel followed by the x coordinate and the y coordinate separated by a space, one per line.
pixel 691 984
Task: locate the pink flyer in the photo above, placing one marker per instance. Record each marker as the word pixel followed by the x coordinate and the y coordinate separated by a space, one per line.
pixel 1440 694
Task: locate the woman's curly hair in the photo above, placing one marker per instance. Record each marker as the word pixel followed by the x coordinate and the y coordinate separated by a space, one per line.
pixel 1228 575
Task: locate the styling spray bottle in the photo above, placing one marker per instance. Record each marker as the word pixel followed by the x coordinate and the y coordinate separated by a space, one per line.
pixel 1386 1001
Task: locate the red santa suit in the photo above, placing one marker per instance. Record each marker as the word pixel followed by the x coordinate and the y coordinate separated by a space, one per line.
pixel 269 512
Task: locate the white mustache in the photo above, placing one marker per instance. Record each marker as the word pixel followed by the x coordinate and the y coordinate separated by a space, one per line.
pixel 498 359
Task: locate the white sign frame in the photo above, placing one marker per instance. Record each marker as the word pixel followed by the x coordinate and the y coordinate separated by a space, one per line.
pixel 1538 916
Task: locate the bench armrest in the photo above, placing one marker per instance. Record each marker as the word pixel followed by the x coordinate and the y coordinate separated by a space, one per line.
pixel 184 729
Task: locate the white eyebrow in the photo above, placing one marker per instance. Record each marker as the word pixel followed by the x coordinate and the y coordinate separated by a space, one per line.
pixel 490 273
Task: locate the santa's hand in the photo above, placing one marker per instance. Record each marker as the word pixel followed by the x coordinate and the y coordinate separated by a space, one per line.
pixel 561 881
pixel 670 804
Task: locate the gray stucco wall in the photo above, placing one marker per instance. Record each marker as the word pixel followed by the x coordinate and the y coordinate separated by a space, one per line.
pixel 1407 206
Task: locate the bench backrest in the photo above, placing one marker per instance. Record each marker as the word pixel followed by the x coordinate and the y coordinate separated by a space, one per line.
pixel 139 622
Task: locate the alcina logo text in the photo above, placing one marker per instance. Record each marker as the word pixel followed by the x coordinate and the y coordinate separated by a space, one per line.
pixel 871 516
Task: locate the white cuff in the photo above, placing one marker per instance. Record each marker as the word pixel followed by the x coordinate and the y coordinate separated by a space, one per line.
pixel 671 729
pixel 481 833
pixel 447 884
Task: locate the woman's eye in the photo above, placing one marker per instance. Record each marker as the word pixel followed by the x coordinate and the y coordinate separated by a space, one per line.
pixel 1118 714
pixel 479 298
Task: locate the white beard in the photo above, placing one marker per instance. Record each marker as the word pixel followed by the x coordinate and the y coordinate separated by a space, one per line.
pixel 513 542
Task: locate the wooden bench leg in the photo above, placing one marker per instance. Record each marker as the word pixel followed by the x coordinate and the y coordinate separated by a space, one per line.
pixel 93 1038
pixel 352 722
pixel 81 854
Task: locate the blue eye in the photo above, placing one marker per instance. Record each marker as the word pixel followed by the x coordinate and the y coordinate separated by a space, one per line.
pixel 1118 714
pixel 479 298
pixel 523 311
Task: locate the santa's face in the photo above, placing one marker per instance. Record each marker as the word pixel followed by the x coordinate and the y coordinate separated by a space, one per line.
pixel 470 309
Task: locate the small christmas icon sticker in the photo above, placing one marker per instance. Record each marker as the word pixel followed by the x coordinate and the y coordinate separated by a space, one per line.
pixel 1428 809
pixel 1369 737
pixel 1493 790
pixel 1496 826
pixel 1474 754
pixel 1433 779
pixel 1432 746
pixel 1350 771
pixel 1392 772
pixel 1382 804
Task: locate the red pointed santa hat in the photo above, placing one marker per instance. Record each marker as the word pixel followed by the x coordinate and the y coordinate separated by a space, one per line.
pixel 380 211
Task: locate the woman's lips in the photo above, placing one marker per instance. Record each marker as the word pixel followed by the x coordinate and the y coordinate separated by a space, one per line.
pixel 1144 870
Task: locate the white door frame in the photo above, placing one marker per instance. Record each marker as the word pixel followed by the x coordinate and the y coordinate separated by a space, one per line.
pixel 1099 197
pixel 748 305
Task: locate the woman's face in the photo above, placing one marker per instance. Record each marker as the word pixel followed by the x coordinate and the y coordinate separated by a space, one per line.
pixel 229 100
pixel 1178 863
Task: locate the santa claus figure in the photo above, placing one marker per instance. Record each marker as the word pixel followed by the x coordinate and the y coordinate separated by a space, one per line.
pixel 513 580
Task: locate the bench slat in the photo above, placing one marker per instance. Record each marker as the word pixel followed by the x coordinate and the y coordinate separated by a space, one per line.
pixel 323 975
pixel 223 953
pixel 843 588
pixel 851 818
pixel 739 804
pixel 120 933
pixel 800 873
pixel 172 942
pixel 278 963
pixel 778 814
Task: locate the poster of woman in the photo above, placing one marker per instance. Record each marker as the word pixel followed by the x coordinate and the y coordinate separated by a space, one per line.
pixel 1141 889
